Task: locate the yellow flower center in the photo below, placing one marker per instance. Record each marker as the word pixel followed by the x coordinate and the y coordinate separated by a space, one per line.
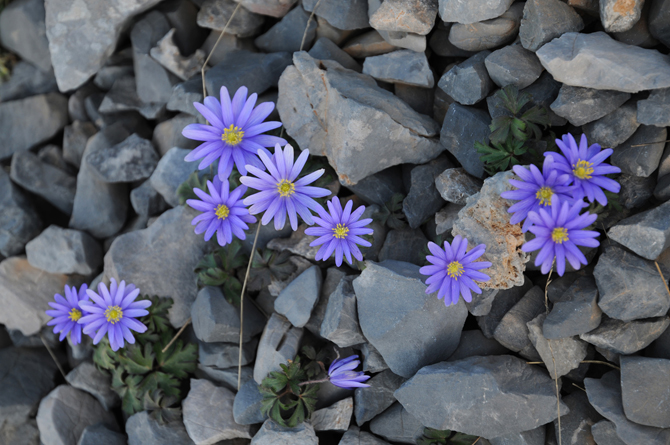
pixel 559 235
pixel 583 169
pixel 222 211
pixel 544 195
pixel 340 231
pixel 232 135
pixel 285 188
pixel 455 269
pixel 113 314
pixel 75 314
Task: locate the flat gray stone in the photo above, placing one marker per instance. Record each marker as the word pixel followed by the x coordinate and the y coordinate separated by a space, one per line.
pixel 644 390
pixel 513 330
pixel 604 433
pixel 131 160
pixel 280 342
pixel 23 32
pixel 504 394
pixel 487 34
pixel 462 127
pixel 215 14
pixel 513 65
pixel 577 423
pixel 75 137
pixel 405 16
pixel 90 379
pixel 247 404
pixel 494 308
pixel 297 300
pixel 469 81
pixel 560 356
pixel 355 436
pixel 225 376
pixel 403 66
pixel 424 199
pixel 330 283
pixel 372 401
pixel 334 418
pixel 99 434
pixel 576 312
pixel 340 321
pixel 643 160
pixel 19 221
pixel 397 425
pixel 471 12
pixel 287 34
pixel 272 433
pixel 123 97
pixel 146 201
pixel 619 17
pixel 368 44
pixel 404 245
pixel 142 429
pixel 273 8
pixel 325 49
pixel 170 172
pixel 544 20
pixel 226 355
pixel 646 233
pixel 615 128
pixel 167 134
pixel 446 217
pixel 475 344
pixel 626 338
pixel 583 105
pixel 184 94
pixel 166 52
pixel 456 186
pixel 342 14
pixel 66 251
pixel 635 192
pixel 27 80
pixel 531 437
pixel 659 12
pixel 654 109
pixel 380 187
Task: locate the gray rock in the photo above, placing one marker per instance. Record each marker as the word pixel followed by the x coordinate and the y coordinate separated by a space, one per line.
pixel 325 49
pixel 256 71
pixel 630 287
pixel 407 136
pixel 560 356
pixel 605 396
pixel 226 355
pixel 99 434
pixel 644 393
pixel 146 201
pixel 487 34
pixel 445 218
pixel 654 109
pixel 532 437
pixel 404 245
pixel 635 191
pixel 273 434
pixel 513 65
pixel 462 127
pixel 123 97
pixel 574 312
pixel 216 320
pixel 626 338
pixel 109 74
pixel 378 397
pixel 604 433
pixel 65 412
pixel 380 187
pixel 74 141
pixel 612 65
pixel 440 44
pixel 368 44
pixel 471 12
pixel 637 156
pixel 646 233
pixel 297 300
pixel 615 128
pixel 184 94
pixel 247 404
pixel 495 308
pixel 468 82
pixel 402 66
pixel 543 92
pixel 23 32
pixel 330 283
pixel 405 16
pixel 345 15
pixel 583 105
pixel 659 12
pixel 455 185
pixel 298 243
pixel 513 330
pixel 27 80
pixel 170 173
pixel 66 251
pixel 274 8
pixel 397 425
pixel 507 395
pixel 424 199
pixel 76 103
pixel 167 134
pixel 334 418
pixel 81 44
pixel 354 436
pixel 225 376
pixel 405 343
pixel 160 259
pixel 638 34
pixel 53 155
pixel 340 321
pixel 279 343
pixel 142 429
pixel 474 344
pixel 133 159
pixel 576 424
pixel 166 52
pixel 618 17
pixel 215 14
pixel 90 379
pixel 372 359
pixel 26 123
pixel 208 414
pixel 420 99
pixel 287 34
pixel 662 189
pixel 544 20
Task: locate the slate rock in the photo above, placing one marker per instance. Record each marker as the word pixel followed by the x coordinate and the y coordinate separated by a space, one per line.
pixel 495 309
pixel 455 185
pixel 659 12
pixel 133 159
pixel 404 245
pixel 146 200
pixel 646 233
pixel 630 287
pixel 420 99
pixel 369 402
pixel 123 97
pixel 256 71
pixel 247 404
pixel 445 218
pixel 662 189
pixel 334 418
pixel 623 337
pixel 604 433
pixel 142 429
pixel 87 377
pixel 397 425
pixel 280 342
pixel 27 80
pixel 462 127
pixel 372 359
pixel 505 396
pixel 184 94
pixel 468 82
pixel 208 414
pixel 440 44
pixel 475 344
pixel 57 250
pixel 619 16
pixel 380 187
pixel 75 137
pixel 216 320
pixel 513 331
pixel 80 45
pixel 340 321
pixel 287 34
pixel 531 437
pixel 612 65
pixel 109 74
pixel 471 12
pixel 226 355
pixel 575 312
pixel 65 412
pixel 543 92
pixel 513 65
pixel 215 14
pixel 297 300
pixel 167 134
pixel 638 34
pixel 405 16
pixel 166 52
pixel 342 14
pixel 405 343
pixel 637 160
pixel 23 32
pixel 403 66
pixel 424 199
pixel 170 172
pixel 654 109
pixel 325 49
pixel 644 390
pixel 76 103
pixel 560 356
pixel 635 191
pixel 576 425
pixel 272 433
pixel 331 282
pixel 99 434
pixel 273 8
pixel 544 20
pixel 227 377
pixel 53 155
pixel 487 34
pixel 583 105
pixel 615 128
pixel 368 44
pixel 355 436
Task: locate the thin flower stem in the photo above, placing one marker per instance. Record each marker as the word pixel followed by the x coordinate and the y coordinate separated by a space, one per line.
pixel 662 277
pixel 599 362
pixel 558 400
pixel 309 20
pixel 209 56
pixel 244 287
pixel 577 386
pixel 177 335
pixel 310 382
pixel 476 440
pixel 53 357
pixel 649 143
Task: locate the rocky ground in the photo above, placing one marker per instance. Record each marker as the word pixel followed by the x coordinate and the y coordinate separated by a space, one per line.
pixel 393 94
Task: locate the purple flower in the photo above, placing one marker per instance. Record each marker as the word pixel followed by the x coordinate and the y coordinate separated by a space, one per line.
pixel 535 190
pixel 586 168
pixel 341 373
pixel 67 312
pixel 113 312
pixel 279 192
pixel 558 234
pixel 452 272
pixel 339 232
pixel 224 212
pixel 234 134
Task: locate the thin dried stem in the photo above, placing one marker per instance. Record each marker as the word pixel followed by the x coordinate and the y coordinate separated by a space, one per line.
pixel 599 362
pixel 209 56
pixel 181 329
pixel 309 20
pixel 558 400
pixel 665 283
pixel 244 287
pixel 649 143
pixel 577 386
pixel 476 440
pixel 53 357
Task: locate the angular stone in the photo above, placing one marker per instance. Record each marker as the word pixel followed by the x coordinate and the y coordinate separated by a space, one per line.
pixel 83 35
pixel 662 189
pixel 462 127
pixel 488 34
pixel 342 14
pixel 368 44
pixel 397 425
pixel 644 390
pixel 646 233
pixel 287 34
pixel 90 379
pixel 208 414
pixel 23 32
pixel 637 156
pixel 297 300
pixel 604 433
pixel 474 344
pixel 298 243
pixel 626 338
pixel 405 16
pixel 340 321
pixel 279 343
pixel 57 250
pixel 559 356
pixel 576 312
pixel 76 103
pixel 146 201
pixel 171 171
pixel 544 20
pixel 407 135
pixel 471 12
pixel 167 134
pixel 109 74
pixel 402 66
pixel 456 186
pixel 635 191
pixel 274 8
pixel 445 218
pixel 330 283
pixel 325 49
pixel 256 71
pixel 355 436
pixel 123 97
pixel 273 434
pixel 247 404
pixel 576 424
pixel 611 65
pixel 532 437
pixel 334 418
pixel 225 355
pixel 495 308
pixel 505 396
pixel 583 105
pixel 142 429
pixel 65 412
pixel 404 245
pixel 468 82
pixel 654 109
pixel 166 52
pixel 424 199
pixel 420 99
pixel 630 287
pixel 513 65
pixel 659 12
pixel 615 128
pixel 405 343
pixel 225 376
pixel 215 14
pixel 184 94
pixel 53 155
pixel 380 187
pixel 378 397
pixel 99 434
pixel 440 44
pixel 605 396
pixel 543 92
pixel 74 141
pixel 133 159
pixel 372 359
pixel 27 80
pixel 619 16
pixel 513 330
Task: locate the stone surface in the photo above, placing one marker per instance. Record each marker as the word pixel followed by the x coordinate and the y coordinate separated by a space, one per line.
pixel 75 137
pixel 66 251
pixel 397 425
pixel 559 356
pixel 65 412
pixel 215 14
pixel 637 156
pixel 644 390
pixel 612 65
pixel 342 14
pixel 583 105
pixel 354 436
pixel 543 92
pixel 334 418
pixel 475 344
pixel 494 308
pixel 99 434
pixel 87 377
pixel 618 16
pixel 424 199
pixel 544 20
pixel 487 34
pixel 604 433
pixel 340 321
pixel 456 186
pixel 184 94
pixel 274 8
pixel 298 243
pixel 225 355
pixel 380 187
pixel 23 32
pixel 513 65
pixel 531 437
pixel 462 127
pixel 287 34
pixel 325 49
pixel 208 414
pixel 146 201
pixel 368 44
pixel 412 331
pixel 142 429
pixel 123 97
pixel 513 330
pixel 83 35
pixel 403 66
pixel 273 434
pixel 471 12
pixel 330 283
pixel 167 134
pixel 646 233
pixel 297 300
pixel 225 376
pixel 216 320
pixel 27 80
pixel 635 192
pixel 469 81
pixel 133 159
pixel 504 394
pixel 654 109
pixel 171 171
pixel 615 128
pixel 659 12
pixel 279 343
pixel 166 52
pixel 630 287
pixel 378 397
pixel 372 359
pixel 404 245
pixel 414 16
pixel 575 312
pixel 445 218
pixel 577 423
pixel 247 404
pixel 407 137
pixel 256 71
pixel 626 338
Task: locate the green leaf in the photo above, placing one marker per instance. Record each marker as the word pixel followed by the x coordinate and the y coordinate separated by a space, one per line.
pixel 297 417
pixel 137 360
pixel 103 356
pixel 179 360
